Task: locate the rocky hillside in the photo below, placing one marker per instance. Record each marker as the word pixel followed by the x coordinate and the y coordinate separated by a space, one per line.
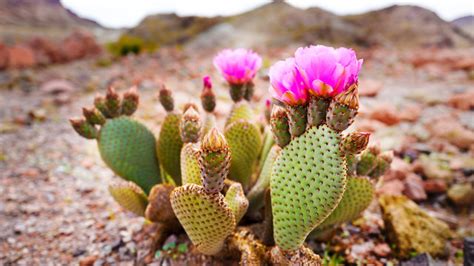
pixel 466 24
pixel 22 19
pixel 408 26
pixel 280 24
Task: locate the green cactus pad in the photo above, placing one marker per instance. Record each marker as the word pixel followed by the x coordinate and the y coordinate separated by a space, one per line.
pixel 190 171
pixel 169 146
pixel 307 183
pixel 245 143
pixel 240 111
pixel 257 193
pixel 128 148
pixel 129 196
pixel 357 197
pixel 237 201
pixel 206 218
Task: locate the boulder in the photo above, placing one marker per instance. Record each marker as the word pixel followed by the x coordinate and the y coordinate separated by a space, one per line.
pixel 386 114
pixel 451 131
pixel 21 56
pixel 79 44
pixel 463 101
pixel 410 229
pixel 369 87
pixel 461 194
pixel 414 188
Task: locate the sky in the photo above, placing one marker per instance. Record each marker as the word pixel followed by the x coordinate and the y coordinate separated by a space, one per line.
pixel 128 13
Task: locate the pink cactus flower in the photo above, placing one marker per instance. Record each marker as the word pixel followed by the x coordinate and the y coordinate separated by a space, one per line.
pixel 238 66
pixel 206 80
pixel 288 82
pixel 329 71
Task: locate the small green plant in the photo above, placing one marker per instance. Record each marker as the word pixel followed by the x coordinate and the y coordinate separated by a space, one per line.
pixel 128 44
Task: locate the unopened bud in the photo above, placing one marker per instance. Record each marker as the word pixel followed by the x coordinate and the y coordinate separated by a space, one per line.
pixel 355 142
pixel 113 102
pixel 268 110
pixel 130 101
pixel 208 98
pixel 280 126
pixel 84 128
pixel 190 126
pixel 349 97
pixel 93 116
pixel 166 99
pixel 214 161
pixel 237 92
pixel 99 103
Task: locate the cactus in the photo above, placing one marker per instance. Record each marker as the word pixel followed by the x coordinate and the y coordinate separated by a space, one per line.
pixel 245 144
pixel 125 145
pixel 296 174
pixel 129 196
pixel 169 143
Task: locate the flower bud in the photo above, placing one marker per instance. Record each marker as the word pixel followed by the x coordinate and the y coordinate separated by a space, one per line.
pixel 208 97
pixel 343 109
pixel 280 127
pixel 382 164
pixel 113 102
pixel 349 97
pixel 93 116
pixel 317 110
pixel 99 103
pixel 297 117
pixel 166 99
pixel 355 142
pixel 130 101
pixel 268 110
pixel 84 128
pixel 190 126
pixel 214 161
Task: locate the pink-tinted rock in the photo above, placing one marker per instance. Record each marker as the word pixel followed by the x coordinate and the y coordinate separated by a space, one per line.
pixel 369 87
pixel 78 45
pixel 44 48
pixel 20 56
pixel 386 114
pixel 382 250
pixel 391 187
pixel 368 125
pixel 414 187
pixel 399 169
pixel 452 131
pixel 410 113
pixel 463 101
pixel 435 186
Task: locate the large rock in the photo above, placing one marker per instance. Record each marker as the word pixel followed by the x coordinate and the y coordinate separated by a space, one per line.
pixel 20 56
pixel 79 44
pixel 452 131
pixel 410 229
pixel 414 188
pixel 461 194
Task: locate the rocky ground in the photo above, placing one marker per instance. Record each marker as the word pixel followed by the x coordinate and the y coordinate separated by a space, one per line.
pixel 54 203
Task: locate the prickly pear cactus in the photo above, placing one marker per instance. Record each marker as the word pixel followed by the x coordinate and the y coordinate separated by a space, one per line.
pixel 169 143
pixel 207 218
pixel 308 181
pixel 125 145
pixel 245 144
pixel 357 197
pixel 129 196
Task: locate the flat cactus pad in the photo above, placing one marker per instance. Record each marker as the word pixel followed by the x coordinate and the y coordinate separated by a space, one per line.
pixel 129 196
pixel 357 197
pixel 307 183
pixel 206 218
pixel 237 201
pixel 245 144
pixel 190 171
pixel 128 148
pixel 169 146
